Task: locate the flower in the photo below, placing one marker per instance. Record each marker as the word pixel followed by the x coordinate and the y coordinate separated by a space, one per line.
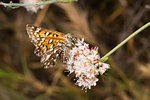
pixel 86 64
pixel 32 8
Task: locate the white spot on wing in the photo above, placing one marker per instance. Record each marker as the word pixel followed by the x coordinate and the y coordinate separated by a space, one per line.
pixel 57 40
pixel 47 57
pixel 38 29
pixel 50 41
pixel 43 39
pixel 47 33
pixel 51 46
pixel 38 38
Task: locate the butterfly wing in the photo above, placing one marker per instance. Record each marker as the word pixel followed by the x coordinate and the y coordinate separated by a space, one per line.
pixel 50 57
pixel 49 44
pixel 44 39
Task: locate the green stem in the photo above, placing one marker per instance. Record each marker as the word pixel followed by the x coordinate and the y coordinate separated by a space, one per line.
pixel 126 40
pixel 40 3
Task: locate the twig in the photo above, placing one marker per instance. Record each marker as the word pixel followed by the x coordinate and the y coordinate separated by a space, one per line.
pixel 126 40
pixel 33 4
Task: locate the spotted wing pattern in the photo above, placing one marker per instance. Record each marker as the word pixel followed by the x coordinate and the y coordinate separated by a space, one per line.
pixel 49 44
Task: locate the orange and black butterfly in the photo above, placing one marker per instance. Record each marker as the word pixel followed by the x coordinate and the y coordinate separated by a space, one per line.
pixel 49 44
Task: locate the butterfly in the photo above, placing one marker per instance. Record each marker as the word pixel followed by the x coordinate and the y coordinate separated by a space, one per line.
pixel 49 44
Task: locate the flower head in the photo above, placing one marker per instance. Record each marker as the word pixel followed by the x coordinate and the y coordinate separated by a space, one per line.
pixel 32 8
pixel 86 64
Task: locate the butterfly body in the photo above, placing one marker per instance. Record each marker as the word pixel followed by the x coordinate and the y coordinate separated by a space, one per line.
pixel 49 44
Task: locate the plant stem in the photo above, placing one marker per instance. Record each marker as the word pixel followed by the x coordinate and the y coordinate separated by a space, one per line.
pixel 126 40
pixel 40 3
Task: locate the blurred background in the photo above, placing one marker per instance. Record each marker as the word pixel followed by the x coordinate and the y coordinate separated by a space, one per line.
pixel 103 23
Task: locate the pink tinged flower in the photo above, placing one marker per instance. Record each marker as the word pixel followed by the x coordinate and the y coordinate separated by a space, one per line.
pixel 86 83
pixel 86 64
pixel 32 8
pixel 103 68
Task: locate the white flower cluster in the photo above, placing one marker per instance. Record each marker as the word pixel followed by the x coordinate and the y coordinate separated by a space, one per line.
pixel 32 8
pixel 86 64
